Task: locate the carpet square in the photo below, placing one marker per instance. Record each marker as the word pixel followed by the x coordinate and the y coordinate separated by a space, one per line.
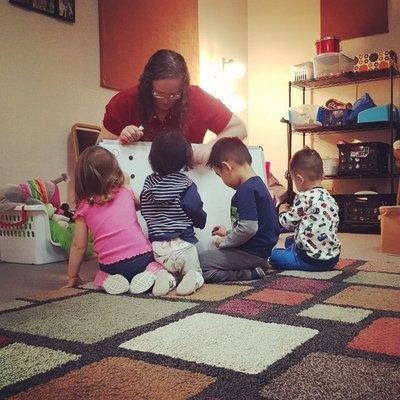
pixel 223 341
pixel 336 313
pixel 382 336
pixel 55 294
pixel 368 297
pixel 91 286
pixel 327 376
pixel 4 341
pixel 375 278
pixel 122 378
pixel 213 292
pixel 324 275
pixel 279 297
pixel 19 362
pixel 381 266
pixel 13 304
pixel 301 285
pixel 244 307
pixel 343 263
pixel 90 318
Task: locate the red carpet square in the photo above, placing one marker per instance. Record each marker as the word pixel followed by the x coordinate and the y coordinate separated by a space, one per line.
pixel 368 297
pixel 118 377
pixel 382 336
pixel 280 297
pixel 344 263
pixel 301 285
pixel 243 307
pixel 4 341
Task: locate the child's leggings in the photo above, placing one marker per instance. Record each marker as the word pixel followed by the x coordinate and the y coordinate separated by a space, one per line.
pixel 177 256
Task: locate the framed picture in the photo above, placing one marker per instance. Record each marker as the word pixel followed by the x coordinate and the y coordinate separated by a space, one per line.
pixel 61 9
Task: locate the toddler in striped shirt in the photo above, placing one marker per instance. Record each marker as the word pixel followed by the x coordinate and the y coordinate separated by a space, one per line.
pixel 172 207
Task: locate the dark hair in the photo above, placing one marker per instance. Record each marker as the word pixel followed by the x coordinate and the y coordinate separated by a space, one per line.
pixel 163 64
pixel 229 149
pixel 97 175
pixel 308 162
pixel 170 152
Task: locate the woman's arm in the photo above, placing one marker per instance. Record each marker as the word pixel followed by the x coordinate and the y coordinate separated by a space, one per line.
pixel 77 252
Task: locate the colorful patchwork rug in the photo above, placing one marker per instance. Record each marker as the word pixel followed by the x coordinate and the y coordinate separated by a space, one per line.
pixel 293 335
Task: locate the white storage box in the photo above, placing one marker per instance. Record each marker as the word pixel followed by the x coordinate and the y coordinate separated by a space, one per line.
pixel 332 64
pixel 302 72
pixel 306 114
pixel 29 243
pixel 330 166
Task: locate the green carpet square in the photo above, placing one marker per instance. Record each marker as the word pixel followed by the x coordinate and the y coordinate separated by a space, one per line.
pixel 336 313
pixel 13 304
pixel 90 318
pixel 375 278
pixel 19 362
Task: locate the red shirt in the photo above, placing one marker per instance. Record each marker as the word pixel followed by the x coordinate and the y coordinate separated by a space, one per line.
pixel 204 112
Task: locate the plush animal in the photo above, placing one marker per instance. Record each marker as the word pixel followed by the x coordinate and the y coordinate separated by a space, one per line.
pixel 32 192
pixel 396 152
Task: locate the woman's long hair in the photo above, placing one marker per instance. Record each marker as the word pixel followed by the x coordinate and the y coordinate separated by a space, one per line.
pixel 97 176
pixel 161 65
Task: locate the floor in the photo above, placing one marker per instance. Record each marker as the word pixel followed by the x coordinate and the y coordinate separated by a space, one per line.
pixel 19 280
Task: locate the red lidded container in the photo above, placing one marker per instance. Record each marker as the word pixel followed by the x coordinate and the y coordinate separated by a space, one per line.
pixel 330 44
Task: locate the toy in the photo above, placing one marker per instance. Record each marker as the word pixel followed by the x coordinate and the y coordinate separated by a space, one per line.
pixel 35 191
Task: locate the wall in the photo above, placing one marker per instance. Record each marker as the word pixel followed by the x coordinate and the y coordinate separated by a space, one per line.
pixel 283 33
pixel 49 79
pixel 223 33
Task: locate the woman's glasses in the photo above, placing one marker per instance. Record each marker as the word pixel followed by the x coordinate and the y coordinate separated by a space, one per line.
pixel 172 96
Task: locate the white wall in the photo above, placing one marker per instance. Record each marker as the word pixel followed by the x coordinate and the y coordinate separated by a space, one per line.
pixel 223 33
pixel 49 80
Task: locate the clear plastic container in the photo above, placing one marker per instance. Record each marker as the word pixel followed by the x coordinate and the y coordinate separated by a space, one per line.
pixel 302 72
pixel 332 64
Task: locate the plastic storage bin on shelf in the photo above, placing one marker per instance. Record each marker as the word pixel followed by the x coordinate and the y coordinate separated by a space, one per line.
pixel 330 166
pixel 332 64
pixel 302 72
pixel 28 242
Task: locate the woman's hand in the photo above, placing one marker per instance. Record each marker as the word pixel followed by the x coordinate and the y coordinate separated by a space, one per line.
pixel 130 134
pixel 218 241
pixel 201 154
pixel 219 230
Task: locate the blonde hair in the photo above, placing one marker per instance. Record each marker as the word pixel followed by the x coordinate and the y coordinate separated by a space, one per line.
pixel 97 176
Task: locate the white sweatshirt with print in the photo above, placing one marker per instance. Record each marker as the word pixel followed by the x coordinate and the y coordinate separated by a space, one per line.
pixel 314 217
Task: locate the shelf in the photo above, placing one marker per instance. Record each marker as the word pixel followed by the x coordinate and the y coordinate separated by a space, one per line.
pixel 346 79
pixel 367 126
pixel 386 176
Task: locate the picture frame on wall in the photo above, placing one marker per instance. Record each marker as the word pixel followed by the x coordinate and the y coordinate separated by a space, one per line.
pixel 61 9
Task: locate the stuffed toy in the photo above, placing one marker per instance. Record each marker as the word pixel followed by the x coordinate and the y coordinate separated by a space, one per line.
pixel 396 152
pixel 32 192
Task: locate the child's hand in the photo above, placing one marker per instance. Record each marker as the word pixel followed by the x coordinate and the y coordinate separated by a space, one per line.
pixel 74 282
pixel 219 230
pixel 218 241
pixel 284 208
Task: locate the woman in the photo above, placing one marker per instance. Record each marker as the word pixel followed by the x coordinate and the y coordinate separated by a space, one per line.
pixel 165 100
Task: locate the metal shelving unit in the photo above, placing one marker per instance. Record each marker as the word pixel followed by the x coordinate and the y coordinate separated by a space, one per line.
pixel 346 79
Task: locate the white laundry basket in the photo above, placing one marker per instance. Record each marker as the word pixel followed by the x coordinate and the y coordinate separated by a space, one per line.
pixel 25 237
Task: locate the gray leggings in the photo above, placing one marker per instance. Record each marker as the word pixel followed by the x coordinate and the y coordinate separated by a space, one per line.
pixel 229 265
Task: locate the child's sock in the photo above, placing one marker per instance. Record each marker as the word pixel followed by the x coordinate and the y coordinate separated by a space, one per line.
pixel 257 273
pixel 192 281
pixel 165 282
pixel 142 282
pixel 116 284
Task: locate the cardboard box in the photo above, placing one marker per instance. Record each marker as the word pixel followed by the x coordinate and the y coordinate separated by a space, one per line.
pixel 377 60
pixel 390 229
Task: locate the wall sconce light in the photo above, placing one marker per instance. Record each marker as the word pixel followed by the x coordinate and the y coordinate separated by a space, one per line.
pixel 232 70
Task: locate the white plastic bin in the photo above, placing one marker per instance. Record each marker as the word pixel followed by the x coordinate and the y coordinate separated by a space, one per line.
pixel 330 166
pixel 332 64
pixel 29 243
pixel 302 72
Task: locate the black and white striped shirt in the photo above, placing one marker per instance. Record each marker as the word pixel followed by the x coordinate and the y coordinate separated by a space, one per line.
pixel 171 207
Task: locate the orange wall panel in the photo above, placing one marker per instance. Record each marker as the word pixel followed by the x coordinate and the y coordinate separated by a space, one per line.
pixel 132 30
pixel 348 19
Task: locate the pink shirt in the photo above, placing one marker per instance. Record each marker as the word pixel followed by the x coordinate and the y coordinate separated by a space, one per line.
pixel 115 228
